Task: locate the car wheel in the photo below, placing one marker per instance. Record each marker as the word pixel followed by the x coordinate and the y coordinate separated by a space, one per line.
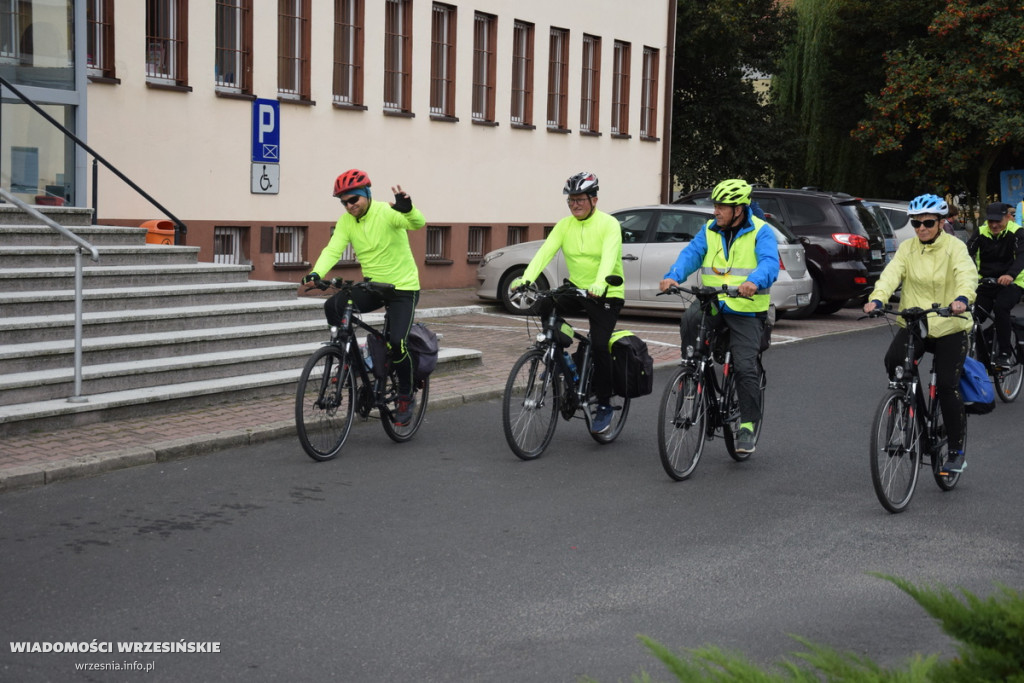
pixel 522 303
pixel 810 308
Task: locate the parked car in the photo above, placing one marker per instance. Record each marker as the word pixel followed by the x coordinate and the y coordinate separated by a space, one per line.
pixel 887 228
pixel 845 245
pixel 652 237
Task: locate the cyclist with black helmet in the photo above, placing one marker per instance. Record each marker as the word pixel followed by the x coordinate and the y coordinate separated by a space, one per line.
pixel 998 250
pixel 378 232
pixel 933 268
pixel 736 249
pixel 591 242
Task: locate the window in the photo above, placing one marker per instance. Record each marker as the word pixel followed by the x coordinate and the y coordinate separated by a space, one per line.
pixel 516 234
pixel 437 242
pixel 12 25
pixel 442 61
pixel 228 244
pixel 293 50
pixel 348 52
pixel 649 96
pixel 558 79
pixel 233 53
pixel 289 245
pixel 590 91
pixel 100 41
pixel 620 89
pixel 479 242
pixel 678 226
pixel 397 55
pixel 522 74
pixel 485 27
pixel 166 42
pixel 634 225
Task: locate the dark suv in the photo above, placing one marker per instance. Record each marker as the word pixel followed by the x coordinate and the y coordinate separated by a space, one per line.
pixel 845 245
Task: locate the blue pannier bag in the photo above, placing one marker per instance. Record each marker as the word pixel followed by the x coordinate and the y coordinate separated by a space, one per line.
pixel 976 388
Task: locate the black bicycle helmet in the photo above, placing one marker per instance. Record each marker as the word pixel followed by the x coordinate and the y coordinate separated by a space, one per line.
pixel 581 183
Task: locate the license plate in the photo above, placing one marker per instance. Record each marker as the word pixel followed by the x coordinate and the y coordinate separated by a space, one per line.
pixel 803 299
pixel 876 255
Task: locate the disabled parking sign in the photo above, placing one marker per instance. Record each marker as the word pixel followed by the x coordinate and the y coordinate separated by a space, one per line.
pixel 266 131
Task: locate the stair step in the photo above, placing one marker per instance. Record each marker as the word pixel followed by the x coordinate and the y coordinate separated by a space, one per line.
pixel 97 235
pixel 62 412
pixel 93 276
pixel 47 256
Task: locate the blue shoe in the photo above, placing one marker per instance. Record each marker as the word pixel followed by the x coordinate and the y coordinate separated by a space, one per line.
pixel 602 419
pixel 954 465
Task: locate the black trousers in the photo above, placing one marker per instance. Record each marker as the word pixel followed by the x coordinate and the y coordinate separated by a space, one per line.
pixel 400 307
pixel 603 314
pixel 948 356
pixel 999 301
pixel 745 332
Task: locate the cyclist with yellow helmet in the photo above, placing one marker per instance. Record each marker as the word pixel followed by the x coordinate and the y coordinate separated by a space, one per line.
pixel 739 250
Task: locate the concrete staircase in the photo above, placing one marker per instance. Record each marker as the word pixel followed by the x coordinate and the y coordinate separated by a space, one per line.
pixel 161 331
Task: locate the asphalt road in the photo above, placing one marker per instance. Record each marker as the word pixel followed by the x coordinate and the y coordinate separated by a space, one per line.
pixel 448 559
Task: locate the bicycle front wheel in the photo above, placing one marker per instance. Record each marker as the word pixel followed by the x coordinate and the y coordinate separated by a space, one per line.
pixel 895 451
pixel 529 407
pixel 733 419
pixel 1008 380
pixel 682 419
pixel 940 453
pixel 402 433
pixel 324 403
pixel 621 407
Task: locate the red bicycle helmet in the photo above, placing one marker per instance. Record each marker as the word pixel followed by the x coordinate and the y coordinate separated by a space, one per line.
pixel 351 179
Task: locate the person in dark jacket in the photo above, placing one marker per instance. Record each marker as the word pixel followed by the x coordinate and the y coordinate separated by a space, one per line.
pixel 998 251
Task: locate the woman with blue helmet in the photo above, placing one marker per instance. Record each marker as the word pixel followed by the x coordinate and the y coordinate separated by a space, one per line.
pixel 934 267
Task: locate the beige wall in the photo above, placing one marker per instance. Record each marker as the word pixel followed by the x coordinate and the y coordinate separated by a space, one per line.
pixel 191 151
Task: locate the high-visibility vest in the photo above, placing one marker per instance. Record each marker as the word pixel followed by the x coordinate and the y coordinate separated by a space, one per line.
pixel 717 270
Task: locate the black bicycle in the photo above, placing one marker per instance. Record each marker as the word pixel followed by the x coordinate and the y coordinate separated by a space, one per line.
pixel 908 427
pixel 338 382
pixel 984 346
pixel 543 384
pixel 701 400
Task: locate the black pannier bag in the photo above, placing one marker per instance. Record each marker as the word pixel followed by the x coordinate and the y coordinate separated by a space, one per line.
pixel 423 346
pixel 632 365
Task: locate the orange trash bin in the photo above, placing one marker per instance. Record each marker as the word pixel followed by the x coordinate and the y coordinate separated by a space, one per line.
pixel 159 231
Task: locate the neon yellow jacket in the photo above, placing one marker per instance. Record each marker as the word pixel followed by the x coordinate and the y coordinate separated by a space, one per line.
pixel 592 250
pixel 380 239
pixel 939 272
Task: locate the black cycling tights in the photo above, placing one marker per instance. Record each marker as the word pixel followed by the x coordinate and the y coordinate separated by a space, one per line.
pixel 949 353
pixel 400 307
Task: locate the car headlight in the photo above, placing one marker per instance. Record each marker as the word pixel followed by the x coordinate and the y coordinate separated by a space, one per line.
pixel 490 257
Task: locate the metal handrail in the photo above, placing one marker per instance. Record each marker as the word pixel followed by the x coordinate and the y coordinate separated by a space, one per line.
pixel 83 245
pixel 180 229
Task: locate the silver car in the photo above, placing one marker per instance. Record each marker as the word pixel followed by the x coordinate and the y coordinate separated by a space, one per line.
pixel 652 237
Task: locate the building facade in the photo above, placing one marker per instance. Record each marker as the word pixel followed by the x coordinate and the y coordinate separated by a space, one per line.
pixel 236 115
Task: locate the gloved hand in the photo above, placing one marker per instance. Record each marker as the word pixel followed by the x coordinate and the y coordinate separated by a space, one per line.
pixel 312 277
pixel 518 282
pixel 403 203
pixel 598 289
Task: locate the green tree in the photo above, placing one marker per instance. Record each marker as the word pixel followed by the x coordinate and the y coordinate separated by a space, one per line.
pixel 720 128
pixel 831 63
pixel 953 102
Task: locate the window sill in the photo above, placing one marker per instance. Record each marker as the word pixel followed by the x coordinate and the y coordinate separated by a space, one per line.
pixel 108 80
pixel 590 134
pixel 621 136
pixel 349 107
pixel 228 95
pixel 560 131
pixel 300 101
pixel 488 124
pixel 292 266
pixel 399 114
pixel 168 86
pixel 523 126
pixel 647 138
pixel 438 262
pixel 444 118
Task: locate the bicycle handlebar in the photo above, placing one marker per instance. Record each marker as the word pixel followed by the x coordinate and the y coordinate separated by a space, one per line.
pixel 914 313
pixel 340 284
pixel 702 292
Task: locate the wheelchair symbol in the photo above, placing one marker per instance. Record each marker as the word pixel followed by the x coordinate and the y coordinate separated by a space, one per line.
pixel 264 179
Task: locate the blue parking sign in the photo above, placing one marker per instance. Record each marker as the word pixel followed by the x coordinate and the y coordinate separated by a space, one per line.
pixel 266 131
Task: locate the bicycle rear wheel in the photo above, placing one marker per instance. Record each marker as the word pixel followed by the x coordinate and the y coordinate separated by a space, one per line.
pixel 529 406
pixel 733 419
pixel 1008 381
pixel 324 403
pixel 621 407
pixel 402 433
pixel 895 451
pixel 682 419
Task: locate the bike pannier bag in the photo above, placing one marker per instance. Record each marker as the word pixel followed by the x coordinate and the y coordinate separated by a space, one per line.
pixel 378 352
pixel 976 388
pixel 423 347
pixel 632 365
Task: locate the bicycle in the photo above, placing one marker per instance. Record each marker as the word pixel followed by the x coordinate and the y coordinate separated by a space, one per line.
pixel 908 422
pixel 337 382
pixel 984 346
pixel 701 402
pixel 541 385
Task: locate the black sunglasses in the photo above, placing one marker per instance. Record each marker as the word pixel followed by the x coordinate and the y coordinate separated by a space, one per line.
pixel 930 223
pixel 351 201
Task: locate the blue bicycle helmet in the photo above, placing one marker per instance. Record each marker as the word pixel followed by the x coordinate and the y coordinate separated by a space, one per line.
pixel 927 203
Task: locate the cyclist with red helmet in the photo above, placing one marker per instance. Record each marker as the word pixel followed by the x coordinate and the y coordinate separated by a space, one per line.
pixel 737 249
pixel 379 235
pixel 591 242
